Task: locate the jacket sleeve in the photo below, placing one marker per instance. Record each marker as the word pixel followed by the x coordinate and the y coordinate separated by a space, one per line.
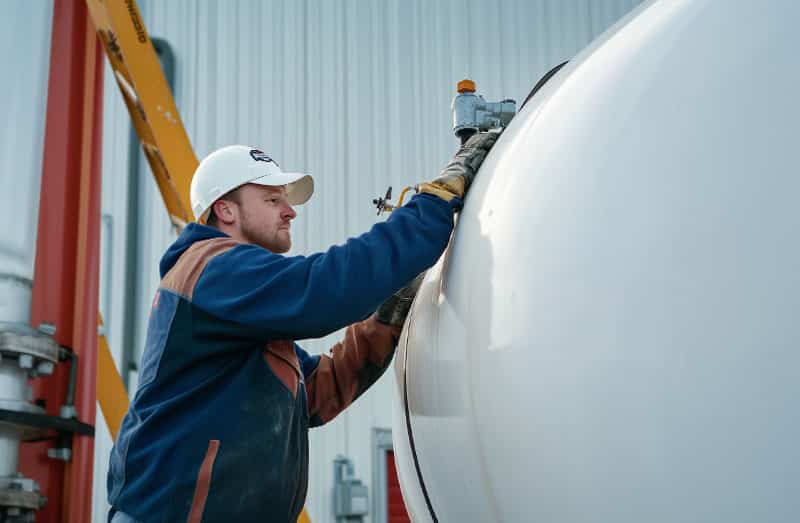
pixel 335 380
pixel 279 297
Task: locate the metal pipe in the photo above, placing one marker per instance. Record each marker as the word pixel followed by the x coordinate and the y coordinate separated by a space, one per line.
pixel 13 393
pixel 73 370
pixel 15 298
pixel 9 451
pixel 15 309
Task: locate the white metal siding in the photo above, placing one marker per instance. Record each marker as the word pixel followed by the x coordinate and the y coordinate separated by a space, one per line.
pixel 355 92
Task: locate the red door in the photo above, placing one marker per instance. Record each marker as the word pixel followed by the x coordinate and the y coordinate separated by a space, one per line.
pixel 395 508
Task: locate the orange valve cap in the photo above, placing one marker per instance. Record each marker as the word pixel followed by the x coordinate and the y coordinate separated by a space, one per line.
pixel 466 86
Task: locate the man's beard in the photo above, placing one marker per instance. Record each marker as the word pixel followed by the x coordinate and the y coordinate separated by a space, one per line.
pixel 258 236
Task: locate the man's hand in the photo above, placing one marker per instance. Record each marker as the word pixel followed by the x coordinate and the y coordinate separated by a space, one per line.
pixel 455 179
pixel 395 309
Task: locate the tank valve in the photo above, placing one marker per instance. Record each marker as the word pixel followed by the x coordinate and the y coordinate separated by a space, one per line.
pixel 472 114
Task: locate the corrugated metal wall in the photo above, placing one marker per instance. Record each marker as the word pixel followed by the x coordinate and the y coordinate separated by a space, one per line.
pixel 355 92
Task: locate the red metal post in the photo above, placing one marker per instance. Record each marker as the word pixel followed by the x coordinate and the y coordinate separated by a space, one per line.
pixel 66 272
pixel 78 485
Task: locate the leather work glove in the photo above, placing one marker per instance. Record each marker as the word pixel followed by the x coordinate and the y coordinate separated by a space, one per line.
pixel 394 310
pixel 456 178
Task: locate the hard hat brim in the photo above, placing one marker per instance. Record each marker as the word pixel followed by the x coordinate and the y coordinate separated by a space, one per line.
pixel 299 186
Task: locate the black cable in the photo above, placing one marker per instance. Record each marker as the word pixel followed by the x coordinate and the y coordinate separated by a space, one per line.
pixel 411 439
pixel 543 80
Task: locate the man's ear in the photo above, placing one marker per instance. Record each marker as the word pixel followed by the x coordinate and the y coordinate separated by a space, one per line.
pixel 224 211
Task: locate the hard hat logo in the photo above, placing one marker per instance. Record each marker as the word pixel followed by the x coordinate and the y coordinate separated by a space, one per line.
pixel 260 156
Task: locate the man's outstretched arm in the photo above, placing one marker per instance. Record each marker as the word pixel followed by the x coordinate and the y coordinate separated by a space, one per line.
pixel 335 380
pixel 279 297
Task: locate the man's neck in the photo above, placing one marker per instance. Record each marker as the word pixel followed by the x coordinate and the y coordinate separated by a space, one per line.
pixel 233 232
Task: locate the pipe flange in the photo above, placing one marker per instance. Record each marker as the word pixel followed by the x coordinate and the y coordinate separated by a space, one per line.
pixel 19 492
pixel 36 353
pixel 21 499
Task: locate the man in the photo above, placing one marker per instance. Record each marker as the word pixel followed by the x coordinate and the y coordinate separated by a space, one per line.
pixel 218 428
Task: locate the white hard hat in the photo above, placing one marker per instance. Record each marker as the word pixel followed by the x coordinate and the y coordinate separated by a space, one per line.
pixel 226 169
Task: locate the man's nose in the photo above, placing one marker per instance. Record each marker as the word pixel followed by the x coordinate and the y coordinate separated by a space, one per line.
pixel 288 213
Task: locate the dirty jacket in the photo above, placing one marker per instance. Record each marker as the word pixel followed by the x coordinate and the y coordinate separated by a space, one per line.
pixel 218 429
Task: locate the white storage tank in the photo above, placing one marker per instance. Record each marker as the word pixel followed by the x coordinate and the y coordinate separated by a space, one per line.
pixel 26 35
pixel 25 30
pixel 612 335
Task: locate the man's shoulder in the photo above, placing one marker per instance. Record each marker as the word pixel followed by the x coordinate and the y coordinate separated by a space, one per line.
pixel 209 248
pixel 183 276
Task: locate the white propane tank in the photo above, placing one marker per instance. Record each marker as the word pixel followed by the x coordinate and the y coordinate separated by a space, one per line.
pixel 612 335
